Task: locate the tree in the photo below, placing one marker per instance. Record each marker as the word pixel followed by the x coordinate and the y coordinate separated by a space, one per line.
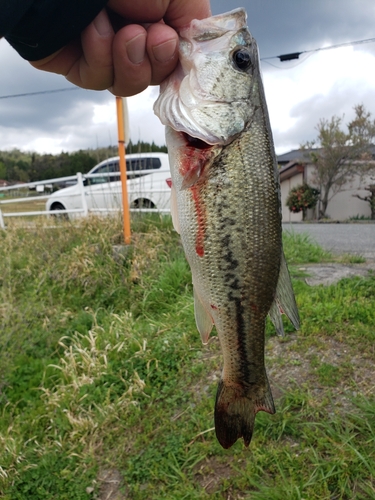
pixel 3 170
pixel 340 155
pixel 17 165
pixel 370 198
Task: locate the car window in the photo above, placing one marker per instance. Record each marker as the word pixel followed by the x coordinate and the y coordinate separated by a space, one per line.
pixel 107 168
pixel 146 163
pixel 97 180
pixel 132 164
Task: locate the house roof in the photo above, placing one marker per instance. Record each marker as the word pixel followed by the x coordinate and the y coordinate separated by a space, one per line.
pixel 302 155
pixel 291 169
pixel 293 162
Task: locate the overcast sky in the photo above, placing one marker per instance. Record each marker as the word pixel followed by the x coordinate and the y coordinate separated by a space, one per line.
pixel 299 93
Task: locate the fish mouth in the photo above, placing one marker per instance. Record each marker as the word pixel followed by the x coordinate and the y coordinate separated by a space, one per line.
pixel 195 142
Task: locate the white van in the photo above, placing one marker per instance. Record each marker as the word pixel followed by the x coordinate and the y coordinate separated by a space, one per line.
pixel 148 176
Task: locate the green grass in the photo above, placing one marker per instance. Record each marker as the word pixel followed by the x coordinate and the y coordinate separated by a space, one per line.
pixel 102 371
pixel 302 249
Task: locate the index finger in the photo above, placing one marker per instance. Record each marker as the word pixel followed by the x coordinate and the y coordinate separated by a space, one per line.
pixel 180 12
pixel 176 13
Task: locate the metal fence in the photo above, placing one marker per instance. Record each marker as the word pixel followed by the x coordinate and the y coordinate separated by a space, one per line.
pixel 88 187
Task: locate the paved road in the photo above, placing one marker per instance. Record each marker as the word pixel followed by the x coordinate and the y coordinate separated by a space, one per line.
pixel 357 239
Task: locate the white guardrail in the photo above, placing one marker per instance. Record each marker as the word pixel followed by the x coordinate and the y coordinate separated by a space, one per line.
pixel 72 180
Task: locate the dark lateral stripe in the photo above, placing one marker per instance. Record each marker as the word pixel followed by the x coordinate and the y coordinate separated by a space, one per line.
pixel 233 283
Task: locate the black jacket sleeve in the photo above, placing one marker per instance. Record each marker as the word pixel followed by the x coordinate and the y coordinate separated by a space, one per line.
pixel 38 28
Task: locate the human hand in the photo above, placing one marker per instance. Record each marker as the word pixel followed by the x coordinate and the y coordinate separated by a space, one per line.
pixel 136 56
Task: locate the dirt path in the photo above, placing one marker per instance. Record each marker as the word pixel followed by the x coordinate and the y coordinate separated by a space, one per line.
pixel 328 274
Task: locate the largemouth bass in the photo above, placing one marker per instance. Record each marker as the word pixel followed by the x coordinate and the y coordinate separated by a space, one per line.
pixel 226 206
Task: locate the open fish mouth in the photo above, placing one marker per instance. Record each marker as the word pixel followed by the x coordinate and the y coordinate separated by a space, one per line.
pixel 195 142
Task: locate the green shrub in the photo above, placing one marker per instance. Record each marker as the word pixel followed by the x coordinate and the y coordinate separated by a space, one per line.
pixel 302 197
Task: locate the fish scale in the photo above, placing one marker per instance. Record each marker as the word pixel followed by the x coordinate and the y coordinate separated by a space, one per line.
pixel 226 207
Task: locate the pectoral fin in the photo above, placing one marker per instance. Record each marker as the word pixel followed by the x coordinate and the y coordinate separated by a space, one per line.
pixel 284 300
pixel 202 318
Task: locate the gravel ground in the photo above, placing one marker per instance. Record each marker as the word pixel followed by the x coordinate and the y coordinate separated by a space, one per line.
pixel 356 239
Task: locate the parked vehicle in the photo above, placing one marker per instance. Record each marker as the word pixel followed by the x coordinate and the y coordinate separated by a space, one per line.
pixel 147 175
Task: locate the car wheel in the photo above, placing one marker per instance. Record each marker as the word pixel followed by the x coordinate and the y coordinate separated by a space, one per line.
pixel 59 206
pixel 142 203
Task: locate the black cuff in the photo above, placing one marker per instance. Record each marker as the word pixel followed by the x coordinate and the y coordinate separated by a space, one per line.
pixel 48 25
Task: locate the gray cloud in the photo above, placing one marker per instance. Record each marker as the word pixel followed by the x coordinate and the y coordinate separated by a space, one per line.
pixel 288 26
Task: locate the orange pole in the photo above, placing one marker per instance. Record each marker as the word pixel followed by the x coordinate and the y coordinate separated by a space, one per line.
pixel 122 153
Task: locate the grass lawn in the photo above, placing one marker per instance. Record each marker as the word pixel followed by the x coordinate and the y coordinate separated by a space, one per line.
pixel 106 391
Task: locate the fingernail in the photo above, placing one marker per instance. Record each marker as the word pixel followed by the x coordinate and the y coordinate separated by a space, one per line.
pixel 136 48
pixel 102 24
pixel 165 51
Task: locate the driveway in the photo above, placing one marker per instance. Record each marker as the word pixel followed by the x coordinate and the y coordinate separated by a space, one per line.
pixel 356 239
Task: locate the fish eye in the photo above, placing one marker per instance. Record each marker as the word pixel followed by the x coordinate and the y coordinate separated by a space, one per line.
pixel 242 59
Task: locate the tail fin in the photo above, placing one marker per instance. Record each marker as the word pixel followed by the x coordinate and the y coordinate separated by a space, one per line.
pixel 235 410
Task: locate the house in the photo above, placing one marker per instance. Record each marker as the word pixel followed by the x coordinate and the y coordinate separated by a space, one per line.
pixel 296 168
pixel 3 183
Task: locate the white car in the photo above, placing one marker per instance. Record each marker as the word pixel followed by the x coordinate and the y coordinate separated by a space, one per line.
pixel 148 187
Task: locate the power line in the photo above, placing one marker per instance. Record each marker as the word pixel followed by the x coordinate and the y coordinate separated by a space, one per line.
pixel 295 55
pixel 283 57
pixel 39 93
